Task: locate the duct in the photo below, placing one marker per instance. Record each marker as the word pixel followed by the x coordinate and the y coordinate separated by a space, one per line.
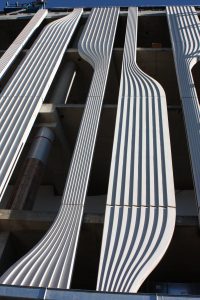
pixel 29 179
pixel 64 83
pixel 25 92
pixel 50 262
pixel 17 45
pixel 184 26
pixel 140 210
pixel 42 145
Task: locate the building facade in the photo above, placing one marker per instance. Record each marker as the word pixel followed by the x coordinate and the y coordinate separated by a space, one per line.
pixel 100 153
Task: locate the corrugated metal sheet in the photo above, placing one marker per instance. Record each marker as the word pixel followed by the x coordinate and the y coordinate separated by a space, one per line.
pixel 140 211
pixel 184 26
pixel 14 49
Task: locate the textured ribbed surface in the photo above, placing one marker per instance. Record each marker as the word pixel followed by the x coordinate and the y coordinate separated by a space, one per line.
pixel 23 96
pixel 184 26
pixel 96 47
pixel 140 211
pixel 14 49
pixel 50 263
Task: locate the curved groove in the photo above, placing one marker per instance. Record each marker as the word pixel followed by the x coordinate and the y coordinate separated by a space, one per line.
pixel 10 54
pixel 50 262
pixel 25 92
pixel 140 211
pixel 184 26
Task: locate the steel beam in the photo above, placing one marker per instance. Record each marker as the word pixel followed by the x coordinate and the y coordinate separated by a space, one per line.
pixel 140 210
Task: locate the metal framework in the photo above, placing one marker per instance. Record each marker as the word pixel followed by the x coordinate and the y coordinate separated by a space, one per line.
pixel 14 49
pixel 51 261
pixel 140 210
pixel 25 92
pixel 184 26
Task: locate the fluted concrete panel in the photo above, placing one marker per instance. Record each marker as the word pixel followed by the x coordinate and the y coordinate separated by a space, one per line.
pixel 51 261
pixel 25 92
pixel 136 239
pixel 96 47
pixel 17 45
pixel 184 26
pixel 140 211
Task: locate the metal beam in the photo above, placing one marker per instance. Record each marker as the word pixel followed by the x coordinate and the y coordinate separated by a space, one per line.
pixel 52 294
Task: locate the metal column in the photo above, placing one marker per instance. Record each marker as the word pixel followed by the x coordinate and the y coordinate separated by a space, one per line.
pixel 32 171
pixel 64 83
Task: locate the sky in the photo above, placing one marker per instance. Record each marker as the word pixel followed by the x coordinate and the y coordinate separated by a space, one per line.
pixel 92 3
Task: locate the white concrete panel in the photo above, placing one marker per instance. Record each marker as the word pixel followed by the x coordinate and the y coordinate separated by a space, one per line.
pixel 17 45
pixel 25 92
pixel 184 26
pixel 50 263
pixel 140 212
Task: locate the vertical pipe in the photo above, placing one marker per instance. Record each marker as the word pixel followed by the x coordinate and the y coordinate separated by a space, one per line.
pixel 64 83
pixel 32 171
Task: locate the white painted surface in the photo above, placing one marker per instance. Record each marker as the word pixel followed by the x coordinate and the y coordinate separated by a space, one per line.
pixel 25 92
pixel 50 263
pixel 184 26
pixel 17 45
pixel 140 212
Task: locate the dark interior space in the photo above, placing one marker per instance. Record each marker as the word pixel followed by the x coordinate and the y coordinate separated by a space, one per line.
pixel 153 31
pixel 19 243
pixel 9 30
pixel 180 264
pixel 120 32
pixel 87 258
pixel 11 70
pixel 98 185
pixel 180 155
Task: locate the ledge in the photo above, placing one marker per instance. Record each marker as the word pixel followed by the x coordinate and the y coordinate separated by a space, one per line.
pixel 15 292
pixel 14 220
